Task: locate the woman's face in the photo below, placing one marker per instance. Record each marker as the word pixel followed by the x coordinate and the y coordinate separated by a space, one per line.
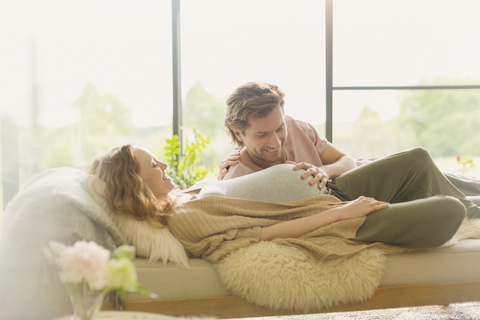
pixel 153 173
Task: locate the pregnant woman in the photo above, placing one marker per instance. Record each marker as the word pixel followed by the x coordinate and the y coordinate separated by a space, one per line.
pixel 214 217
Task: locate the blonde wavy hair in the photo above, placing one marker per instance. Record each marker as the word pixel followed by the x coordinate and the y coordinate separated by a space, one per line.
pixel 253 99
pixel 125 191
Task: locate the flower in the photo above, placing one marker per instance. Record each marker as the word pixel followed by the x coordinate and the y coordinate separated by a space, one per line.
pixel 464 163
pixel 121 275
pixel 89 271
pixel 88 263
pixel 84 261
pixel 124 252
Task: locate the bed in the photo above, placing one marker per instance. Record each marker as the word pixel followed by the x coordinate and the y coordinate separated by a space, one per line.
pixel 57 205
pixel 430 277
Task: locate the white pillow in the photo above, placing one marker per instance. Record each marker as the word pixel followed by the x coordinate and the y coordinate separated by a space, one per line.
pixel 149 242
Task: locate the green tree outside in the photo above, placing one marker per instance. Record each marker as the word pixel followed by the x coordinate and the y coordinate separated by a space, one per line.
pixel 104 117
pixel 206 112
pixel 369 136
pixel 445 122
pixel 203 111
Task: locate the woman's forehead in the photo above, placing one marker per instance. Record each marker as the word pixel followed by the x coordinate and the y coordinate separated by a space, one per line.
pixel 142 154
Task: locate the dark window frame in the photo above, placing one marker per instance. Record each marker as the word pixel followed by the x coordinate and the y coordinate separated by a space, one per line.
pixel 329 76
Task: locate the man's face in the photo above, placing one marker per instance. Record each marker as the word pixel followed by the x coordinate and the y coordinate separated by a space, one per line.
pixel 264 139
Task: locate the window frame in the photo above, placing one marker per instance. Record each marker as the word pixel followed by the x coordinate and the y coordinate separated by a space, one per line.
pixel 329 76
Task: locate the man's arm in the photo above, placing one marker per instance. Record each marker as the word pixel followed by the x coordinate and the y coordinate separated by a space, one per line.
pixel 334 162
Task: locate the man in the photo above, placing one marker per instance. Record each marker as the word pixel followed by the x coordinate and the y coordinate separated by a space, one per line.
pixel 255 120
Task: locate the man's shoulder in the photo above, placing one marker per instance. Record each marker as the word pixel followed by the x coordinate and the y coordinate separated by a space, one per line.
pixel 294 123
pixel 298 129
pixel 303 142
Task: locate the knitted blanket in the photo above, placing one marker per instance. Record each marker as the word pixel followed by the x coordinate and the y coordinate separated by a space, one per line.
pixel 213 227
pixel 316 271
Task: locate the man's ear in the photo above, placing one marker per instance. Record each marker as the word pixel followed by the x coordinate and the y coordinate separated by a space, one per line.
pixel 239 135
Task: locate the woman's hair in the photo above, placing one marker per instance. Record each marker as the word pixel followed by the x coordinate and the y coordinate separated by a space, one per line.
pixel 125 191
pixel 253 99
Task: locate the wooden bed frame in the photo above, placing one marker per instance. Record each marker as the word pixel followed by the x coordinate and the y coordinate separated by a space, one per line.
pixel 385 297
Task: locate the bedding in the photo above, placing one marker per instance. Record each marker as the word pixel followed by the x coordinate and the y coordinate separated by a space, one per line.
pixel 55 205
pixel 213 227
pixel 286 278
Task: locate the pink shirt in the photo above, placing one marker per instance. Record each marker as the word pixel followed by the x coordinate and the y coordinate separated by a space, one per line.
pixel 303 144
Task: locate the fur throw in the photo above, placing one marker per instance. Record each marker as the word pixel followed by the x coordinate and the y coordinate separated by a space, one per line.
pixel 283 277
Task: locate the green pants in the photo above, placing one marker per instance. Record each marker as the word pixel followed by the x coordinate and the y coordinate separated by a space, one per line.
pixel 422 223
pixel 400 179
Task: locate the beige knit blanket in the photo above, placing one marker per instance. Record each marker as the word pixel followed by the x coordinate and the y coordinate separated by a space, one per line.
pixel 307 274
pixel 213 227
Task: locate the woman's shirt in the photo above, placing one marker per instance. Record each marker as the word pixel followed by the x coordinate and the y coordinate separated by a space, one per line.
pixel 279 183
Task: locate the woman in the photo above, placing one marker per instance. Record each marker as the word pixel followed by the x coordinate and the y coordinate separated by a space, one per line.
pixel 215 217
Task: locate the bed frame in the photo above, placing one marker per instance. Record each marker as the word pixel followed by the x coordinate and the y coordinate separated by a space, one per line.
pixel 385 297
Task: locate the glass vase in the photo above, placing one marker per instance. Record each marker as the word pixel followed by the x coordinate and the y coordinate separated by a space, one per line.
pixel 86 303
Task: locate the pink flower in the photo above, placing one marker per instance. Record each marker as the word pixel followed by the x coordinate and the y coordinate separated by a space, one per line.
pixel 84 261
pixel 459 157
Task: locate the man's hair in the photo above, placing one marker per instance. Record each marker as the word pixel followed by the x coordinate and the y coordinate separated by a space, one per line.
pixel 125 191
pixel 253 99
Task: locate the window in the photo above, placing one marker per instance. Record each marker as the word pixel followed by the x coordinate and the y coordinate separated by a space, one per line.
pixel 398 43
pixel 385 53
pixel 80 77
pixel 228 43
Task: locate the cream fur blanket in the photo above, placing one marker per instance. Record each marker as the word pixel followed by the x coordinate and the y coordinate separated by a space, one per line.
pixel 280 277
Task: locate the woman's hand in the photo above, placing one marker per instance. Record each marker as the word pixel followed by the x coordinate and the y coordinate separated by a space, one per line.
pixel 298 227
pixel 361 207
pixel 230 161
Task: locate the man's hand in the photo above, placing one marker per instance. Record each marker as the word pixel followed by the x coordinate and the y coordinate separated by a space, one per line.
pixel 230 161
pixel 318 174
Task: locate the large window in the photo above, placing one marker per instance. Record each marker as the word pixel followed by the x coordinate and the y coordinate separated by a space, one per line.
pixel 384 53
pixel 80 77
pixel 397 43
pixel 228 43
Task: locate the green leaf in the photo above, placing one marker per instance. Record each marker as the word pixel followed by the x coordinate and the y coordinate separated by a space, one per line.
pixel 185 172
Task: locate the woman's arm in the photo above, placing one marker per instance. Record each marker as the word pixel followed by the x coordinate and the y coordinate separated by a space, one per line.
pixel 298 227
